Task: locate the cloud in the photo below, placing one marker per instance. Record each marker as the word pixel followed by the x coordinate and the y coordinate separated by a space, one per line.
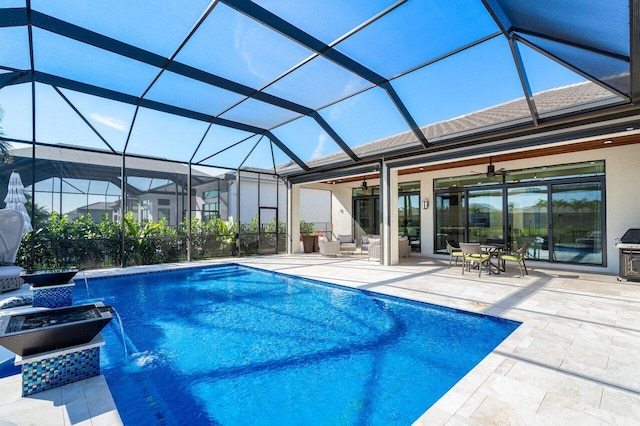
pixel 249 52
pixel 114 123
pixel 317 152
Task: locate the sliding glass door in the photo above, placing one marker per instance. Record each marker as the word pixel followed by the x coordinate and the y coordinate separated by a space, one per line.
pixel 450 219
pixel 528 219
pixel 485 215
pixel 366 216
pixel 557 210
pixel 409 218
pixel 577 222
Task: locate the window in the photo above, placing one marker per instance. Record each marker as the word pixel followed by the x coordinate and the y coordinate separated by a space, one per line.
pixel 165 214
pixel 144 210
pixel 209 195
pixel 211 211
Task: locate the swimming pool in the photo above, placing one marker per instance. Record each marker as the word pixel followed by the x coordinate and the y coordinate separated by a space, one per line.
pixel 236 345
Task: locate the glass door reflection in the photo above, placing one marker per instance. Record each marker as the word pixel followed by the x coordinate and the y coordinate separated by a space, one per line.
pixel 485 217
pixel 528 220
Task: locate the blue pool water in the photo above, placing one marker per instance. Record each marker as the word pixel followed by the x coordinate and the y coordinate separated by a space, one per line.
pixel 235 345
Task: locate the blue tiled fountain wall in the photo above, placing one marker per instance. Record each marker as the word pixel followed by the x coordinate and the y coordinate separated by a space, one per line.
pixel 58 297
pixel 49 373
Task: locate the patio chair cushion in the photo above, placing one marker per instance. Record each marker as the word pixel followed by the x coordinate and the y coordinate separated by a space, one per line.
pixel 346 243
pixel 15 301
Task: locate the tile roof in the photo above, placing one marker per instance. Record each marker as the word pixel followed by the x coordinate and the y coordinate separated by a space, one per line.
pixel 574 97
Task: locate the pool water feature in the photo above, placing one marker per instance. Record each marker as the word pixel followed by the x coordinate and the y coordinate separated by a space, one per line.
pixel 236 345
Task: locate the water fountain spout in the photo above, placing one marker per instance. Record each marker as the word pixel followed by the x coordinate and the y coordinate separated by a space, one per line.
pixel 119 320
pixel 86 284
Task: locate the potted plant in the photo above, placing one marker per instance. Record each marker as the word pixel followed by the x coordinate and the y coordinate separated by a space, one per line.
pixel 307 233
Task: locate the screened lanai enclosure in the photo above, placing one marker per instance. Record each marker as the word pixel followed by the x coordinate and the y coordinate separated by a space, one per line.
pixel 155 131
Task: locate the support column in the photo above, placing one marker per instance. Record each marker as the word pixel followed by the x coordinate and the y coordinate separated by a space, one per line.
pixel 293 218
pixel 393 215
pixel 385 215
pixel 389 214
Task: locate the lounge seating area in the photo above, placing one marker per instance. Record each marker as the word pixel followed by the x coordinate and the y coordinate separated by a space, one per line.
pixel 328 248
pixel 367 239
pixel 347 245
pixel 370 246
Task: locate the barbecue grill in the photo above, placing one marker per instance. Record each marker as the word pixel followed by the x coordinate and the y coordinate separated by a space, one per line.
pixel 629 247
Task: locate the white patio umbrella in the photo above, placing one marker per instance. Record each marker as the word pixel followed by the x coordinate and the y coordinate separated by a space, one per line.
pixel 15 199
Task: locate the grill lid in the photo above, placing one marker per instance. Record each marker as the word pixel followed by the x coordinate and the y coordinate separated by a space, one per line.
pixel 631 236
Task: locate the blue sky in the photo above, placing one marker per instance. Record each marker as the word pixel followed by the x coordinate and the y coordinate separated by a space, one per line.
pixel 233 46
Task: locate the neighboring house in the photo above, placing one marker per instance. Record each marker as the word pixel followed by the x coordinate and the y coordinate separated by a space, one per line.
pixel 74 183
pixel 96 210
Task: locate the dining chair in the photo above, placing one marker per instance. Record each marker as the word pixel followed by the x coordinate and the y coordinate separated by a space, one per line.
pixel 472 253
pixel 517 256
pixel 454 251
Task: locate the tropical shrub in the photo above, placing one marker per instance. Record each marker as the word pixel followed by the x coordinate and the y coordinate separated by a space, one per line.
pixel 61 242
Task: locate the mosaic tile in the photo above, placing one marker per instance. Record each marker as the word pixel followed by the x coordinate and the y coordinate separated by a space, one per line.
pixel 59 297
pixel 60 370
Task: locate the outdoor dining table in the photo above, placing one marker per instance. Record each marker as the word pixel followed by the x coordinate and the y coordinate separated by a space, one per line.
pixel 494 250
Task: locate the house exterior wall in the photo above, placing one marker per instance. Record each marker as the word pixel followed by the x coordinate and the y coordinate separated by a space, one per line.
pixel 249 199
pixel 175 207
pixel 622 195
pixel 341 210
pixel 622 199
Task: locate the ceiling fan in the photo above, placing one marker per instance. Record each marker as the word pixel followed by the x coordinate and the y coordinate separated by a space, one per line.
pixel 491 170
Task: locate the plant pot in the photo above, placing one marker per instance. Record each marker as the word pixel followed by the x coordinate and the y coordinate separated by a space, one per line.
pixel 308 242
